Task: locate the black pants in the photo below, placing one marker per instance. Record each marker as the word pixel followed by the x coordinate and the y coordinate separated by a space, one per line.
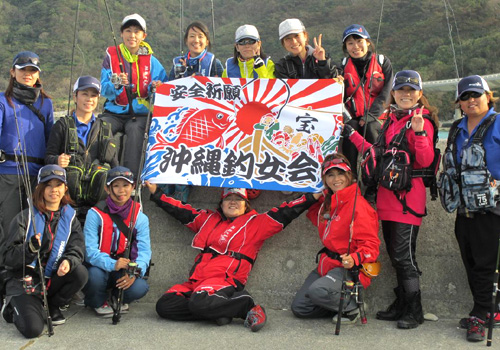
pixel 401 243
pixel 477 239
pixel 226 302
pixel 349 149
pixel 28 313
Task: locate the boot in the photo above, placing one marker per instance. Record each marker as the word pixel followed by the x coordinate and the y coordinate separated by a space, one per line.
pixel 395 310
pixel 413 314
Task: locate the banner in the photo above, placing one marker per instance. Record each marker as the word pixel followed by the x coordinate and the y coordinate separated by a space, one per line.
pixel 269 134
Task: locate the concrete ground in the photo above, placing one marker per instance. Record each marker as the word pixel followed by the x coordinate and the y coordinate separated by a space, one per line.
pixel 142 329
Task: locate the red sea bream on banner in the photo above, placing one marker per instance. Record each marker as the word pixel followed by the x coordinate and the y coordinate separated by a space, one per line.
pixel 269 134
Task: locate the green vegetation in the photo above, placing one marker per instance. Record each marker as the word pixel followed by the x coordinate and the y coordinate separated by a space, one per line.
pixel 413 34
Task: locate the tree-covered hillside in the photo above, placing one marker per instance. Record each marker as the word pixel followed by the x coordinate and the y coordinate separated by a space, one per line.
pixel 413 34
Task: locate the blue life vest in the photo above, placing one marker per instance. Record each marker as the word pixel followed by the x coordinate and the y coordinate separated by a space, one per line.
pixel 202 65
pixel 61 238
pixel 233 69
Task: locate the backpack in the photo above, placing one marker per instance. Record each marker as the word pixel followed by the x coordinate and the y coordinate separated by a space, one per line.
pixel 86 182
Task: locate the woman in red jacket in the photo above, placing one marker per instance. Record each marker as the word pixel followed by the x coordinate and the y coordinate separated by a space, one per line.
pixel 319 296
pixel 401 211
pixel 229 240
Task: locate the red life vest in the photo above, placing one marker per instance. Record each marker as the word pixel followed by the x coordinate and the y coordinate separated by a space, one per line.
pixel 143 66
pixel 106 232
pixel 371 88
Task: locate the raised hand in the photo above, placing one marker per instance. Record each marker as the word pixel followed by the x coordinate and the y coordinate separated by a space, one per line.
pixel 319 51
pixel 417 121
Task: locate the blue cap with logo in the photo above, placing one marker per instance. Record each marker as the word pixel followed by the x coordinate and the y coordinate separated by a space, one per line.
pixel 86 82
pixel 472 83
pixel 355 29
pixel 26 59
pixel 51 171
pixel 407 78
pixel 119 172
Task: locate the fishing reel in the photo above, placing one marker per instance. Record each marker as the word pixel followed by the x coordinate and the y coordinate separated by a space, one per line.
pixel 29 288
pixel 179 70
pixel 116 80
pixel 133 270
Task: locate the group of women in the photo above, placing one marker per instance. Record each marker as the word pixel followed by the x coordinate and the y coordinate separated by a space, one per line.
pixel 388 113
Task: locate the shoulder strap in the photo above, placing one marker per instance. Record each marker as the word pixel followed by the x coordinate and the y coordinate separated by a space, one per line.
pixel 116 219
pixel 37 112
pixel 71 141
pixel 481 130
pixel 292 72
pixel 381 59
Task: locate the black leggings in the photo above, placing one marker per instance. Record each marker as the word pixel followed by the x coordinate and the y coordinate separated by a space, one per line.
pixel 28 313
pixel 226 302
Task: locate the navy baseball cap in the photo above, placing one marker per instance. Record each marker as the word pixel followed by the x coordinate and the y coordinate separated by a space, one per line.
pixel 407 78
pixel 26 59
pixel 119 172
pixel 85 82
pixel 472 83
pixel 355 29
pixel 51 171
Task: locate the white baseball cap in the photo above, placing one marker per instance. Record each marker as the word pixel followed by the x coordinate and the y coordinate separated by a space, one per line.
pixel 291 26
pixel 246 31
pixel 136 18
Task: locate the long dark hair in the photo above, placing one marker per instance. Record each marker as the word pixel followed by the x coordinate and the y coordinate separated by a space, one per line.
pixel 201 27
pixel 39 201
pixel 350 177
pixel 10 88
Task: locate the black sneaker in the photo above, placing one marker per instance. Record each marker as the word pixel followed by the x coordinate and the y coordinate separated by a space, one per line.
pixel 56 315
pixel 475 331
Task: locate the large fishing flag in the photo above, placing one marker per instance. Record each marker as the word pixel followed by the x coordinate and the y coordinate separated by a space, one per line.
pixel 267 134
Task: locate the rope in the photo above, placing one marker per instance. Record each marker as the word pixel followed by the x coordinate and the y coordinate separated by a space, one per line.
pixel 451 37
pixel 380 22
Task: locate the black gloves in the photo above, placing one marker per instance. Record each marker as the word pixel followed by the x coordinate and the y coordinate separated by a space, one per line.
pixel 257 62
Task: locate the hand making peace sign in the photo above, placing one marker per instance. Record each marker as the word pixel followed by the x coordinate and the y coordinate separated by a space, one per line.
pixel 319 51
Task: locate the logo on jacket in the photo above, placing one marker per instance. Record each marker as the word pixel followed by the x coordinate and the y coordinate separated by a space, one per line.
pixel 225 235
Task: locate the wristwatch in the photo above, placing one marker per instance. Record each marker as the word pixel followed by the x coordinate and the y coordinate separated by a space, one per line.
pixel 421 133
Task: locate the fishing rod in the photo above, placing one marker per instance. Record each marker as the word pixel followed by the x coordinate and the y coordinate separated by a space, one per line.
pixel 23 173
pixel 117 305
pixel 73 56
pixel 213 22
pixel 494 298
pixel 114 78
pixel 355 271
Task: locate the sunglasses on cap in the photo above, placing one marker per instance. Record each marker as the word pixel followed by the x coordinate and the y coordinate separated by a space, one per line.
pixel 467 95
pixel 125 174
pixel 26 60
pixel 244 42
pixel 336 161
pixel 405 80
pixel 48 172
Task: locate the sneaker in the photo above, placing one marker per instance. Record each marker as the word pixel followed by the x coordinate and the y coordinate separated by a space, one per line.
pixel 475 331
pixel 222 321
pixel 349 317
pixel 105 310
pixel 64 307
pixel 256 318
pixel 56 315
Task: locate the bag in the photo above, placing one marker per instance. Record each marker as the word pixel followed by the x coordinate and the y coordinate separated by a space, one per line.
pixel 96 182
pixel 74 178
pixel 370 165
pixel 372 269
pixel 395 170
pixel 107 150
pixel 449 192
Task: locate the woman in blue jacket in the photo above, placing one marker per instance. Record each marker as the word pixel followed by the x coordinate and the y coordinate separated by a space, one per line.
pixel 26 118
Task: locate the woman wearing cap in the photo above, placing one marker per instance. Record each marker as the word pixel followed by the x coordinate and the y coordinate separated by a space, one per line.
pixel 319 296
pixel 410 118
pixel 198 60
pixel 26 117
pixel 128 77
pixel 302 61
pixel 367 84
pixel 52 233
pixel 249 59
pixel 477 221
pixel 229 240
pixel 105 241
pixel 80 140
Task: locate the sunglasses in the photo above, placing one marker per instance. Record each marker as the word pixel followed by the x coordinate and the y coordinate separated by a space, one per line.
pixel 244 42
pixel 27 60
pixel 46 173
pixel 126 174
pixel 405 80
pixel 467 95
